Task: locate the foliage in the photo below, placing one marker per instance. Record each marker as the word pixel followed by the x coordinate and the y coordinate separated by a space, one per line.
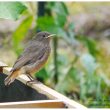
pixel 56 25
pixel 11 10
pixel 79 79
pixel 20 33
pixel 80 72
pixel 91 44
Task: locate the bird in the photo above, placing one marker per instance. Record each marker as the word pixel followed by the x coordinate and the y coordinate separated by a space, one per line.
pixel 33 58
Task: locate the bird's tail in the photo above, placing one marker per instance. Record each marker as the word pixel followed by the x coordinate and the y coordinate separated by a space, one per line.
pixel 9 79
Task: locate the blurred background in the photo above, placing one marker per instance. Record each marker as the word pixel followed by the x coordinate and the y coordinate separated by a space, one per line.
pixel 79 64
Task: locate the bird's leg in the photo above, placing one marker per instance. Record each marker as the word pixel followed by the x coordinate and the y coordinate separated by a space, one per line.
pixel 30 77
pixel 32 80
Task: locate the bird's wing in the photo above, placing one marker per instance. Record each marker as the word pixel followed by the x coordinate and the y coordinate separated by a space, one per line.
pixel 32 53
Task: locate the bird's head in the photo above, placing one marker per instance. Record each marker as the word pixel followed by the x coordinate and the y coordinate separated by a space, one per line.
pixel 44 36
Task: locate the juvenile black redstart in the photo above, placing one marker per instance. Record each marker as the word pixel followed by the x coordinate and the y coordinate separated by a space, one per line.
pixel 33 57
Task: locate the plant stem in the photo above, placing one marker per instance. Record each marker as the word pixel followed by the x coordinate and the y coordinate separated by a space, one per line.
pixel 55 45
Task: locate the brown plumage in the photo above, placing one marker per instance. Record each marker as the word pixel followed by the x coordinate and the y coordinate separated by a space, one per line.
pixel 32 59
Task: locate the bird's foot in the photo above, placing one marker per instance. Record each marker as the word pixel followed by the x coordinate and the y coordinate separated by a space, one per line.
pixel 34 81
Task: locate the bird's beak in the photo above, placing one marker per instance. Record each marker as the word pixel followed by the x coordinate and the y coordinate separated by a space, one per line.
pixel 50 35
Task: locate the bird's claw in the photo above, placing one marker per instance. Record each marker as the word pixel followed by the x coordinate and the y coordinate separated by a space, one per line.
pixel 32 82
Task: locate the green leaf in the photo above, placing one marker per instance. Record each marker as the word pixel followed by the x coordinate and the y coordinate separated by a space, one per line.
pixel 60 8
pixel 20 33
pixel 60 12
pixel 90 44
pixel 45 23
pixel 60 20
pixel 73 74
pixel 49 5
pixel 89 63
pixel 61 15
pixel 11 10
pixel 65 8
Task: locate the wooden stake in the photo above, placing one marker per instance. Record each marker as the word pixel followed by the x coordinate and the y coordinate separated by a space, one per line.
pixel 2 65
pixel 1 69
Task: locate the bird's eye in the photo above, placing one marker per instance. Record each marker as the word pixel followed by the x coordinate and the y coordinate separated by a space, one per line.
pixel 43 35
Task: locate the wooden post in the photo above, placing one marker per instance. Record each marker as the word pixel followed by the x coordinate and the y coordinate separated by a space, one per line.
pixel 59 100
pixel 2 65
pixel 1 69
pixel 50 93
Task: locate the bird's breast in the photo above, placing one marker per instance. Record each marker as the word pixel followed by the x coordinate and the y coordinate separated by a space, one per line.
pixel 40 63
